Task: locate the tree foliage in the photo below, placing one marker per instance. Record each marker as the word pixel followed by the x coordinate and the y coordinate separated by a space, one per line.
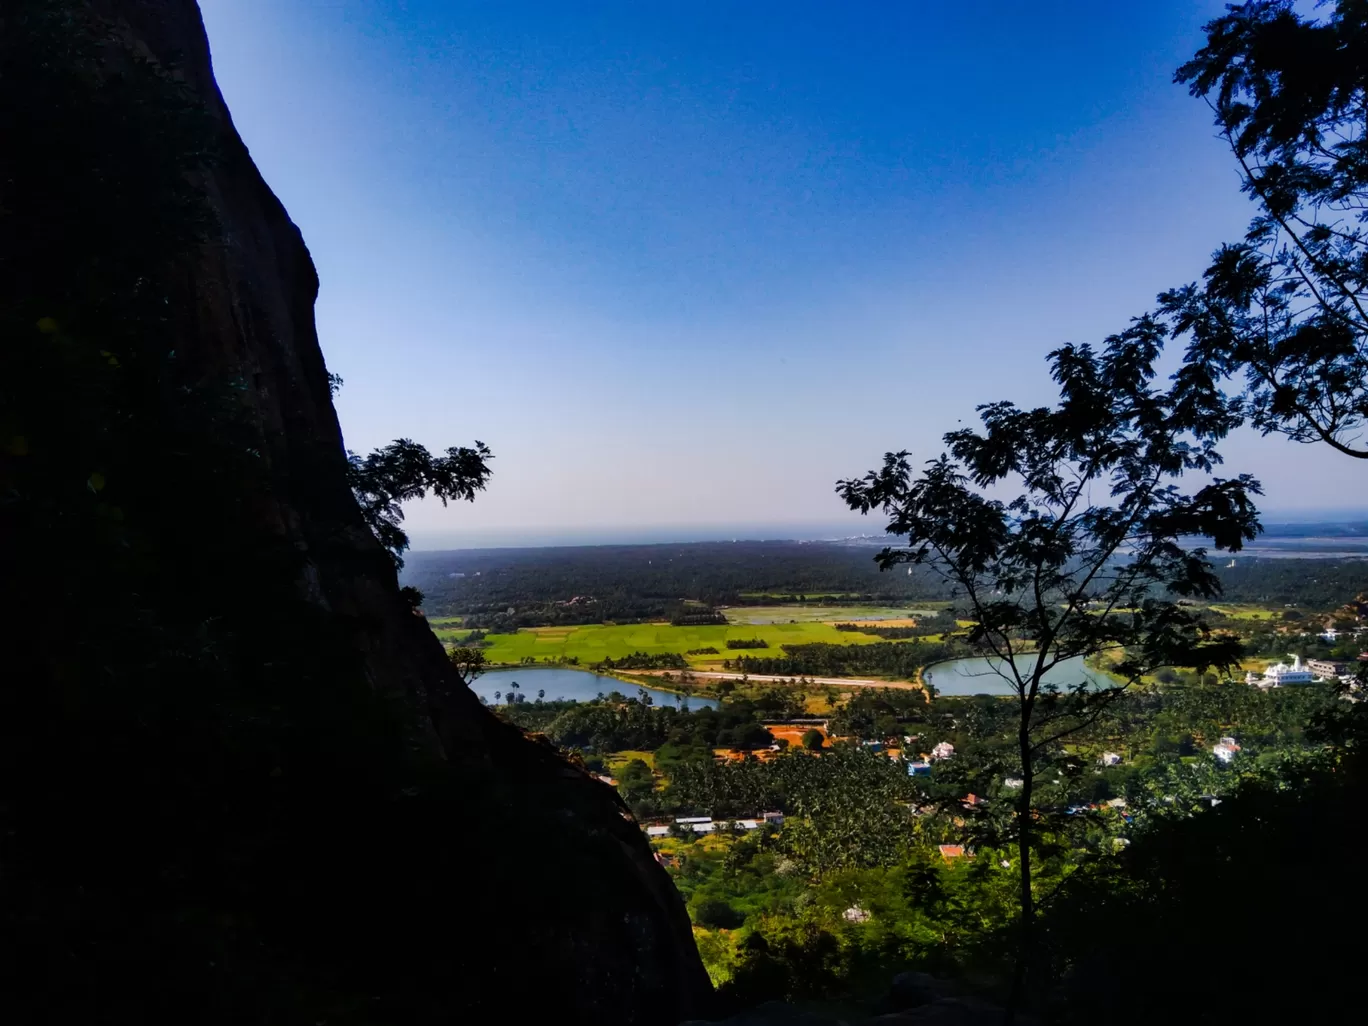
pixel 403 471
pixel 1285 308
pixel 1088 556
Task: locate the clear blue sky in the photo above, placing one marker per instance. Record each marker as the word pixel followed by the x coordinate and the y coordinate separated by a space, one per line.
pixel 684 265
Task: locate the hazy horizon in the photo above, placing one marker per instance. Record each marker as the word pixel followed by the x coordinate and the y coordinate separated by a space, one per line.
pixel 683 534
pixel 683 269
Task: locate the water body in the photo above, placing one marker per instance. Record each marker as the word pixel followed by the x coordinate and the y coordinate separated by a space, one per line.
pixel 979 676
pixel 563 685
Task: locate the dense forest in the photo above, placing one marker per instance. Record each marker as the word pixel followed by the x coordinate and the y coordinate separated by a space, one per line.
pixel 683 583
pixel 884 658
pixel 622 583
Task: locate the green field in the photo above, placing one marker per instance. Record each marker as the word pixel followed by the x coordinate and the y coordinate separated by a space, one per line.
pixel 592 644
pixel 1236 612
pixel 828 614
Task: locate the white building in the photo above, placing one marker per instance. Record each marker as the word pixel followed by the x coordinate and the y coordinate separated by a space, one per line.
pixel 944 750
pixel 1110 759
pixel 1279 674
pixel 1225 750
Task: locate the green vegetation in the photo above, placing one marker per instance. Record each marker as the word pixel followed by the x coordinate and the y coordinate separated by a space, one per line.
pixel 592 644
pixel 901 660
pixel 788 613
pixel 1245 612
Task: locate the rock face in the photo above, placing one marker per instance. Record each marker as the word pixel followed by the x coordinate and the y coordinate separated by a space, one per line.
pixel 546 899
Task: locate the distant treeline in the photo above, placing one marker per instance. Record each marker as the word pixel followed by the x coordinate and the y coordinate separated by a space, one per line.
pixel 644 661
pixel 888 633
pixel 1315 584
pixel 635 583
pixel 747 643
pixel 706 618
pixel 632 583
pixel 820 659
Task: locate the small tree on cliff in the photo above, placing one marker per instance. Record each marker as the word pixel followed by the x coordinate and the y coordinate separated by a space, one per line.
pixel 1086 556
pixel 403 471
pixel 469 664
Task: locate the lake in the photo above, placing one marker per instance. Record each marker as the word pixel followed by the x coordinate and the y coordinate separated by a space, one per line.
pixel 978 677
pixel 563 685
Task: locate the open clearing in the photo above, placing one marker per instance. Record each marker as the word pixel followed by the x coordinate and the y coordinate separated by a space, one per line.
pixel 887 616
pixel 1245 612
pixel 596 642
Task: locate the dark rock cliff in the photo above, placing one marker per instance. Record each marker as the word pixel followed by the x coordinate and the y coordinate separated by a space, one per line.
pixel 242 782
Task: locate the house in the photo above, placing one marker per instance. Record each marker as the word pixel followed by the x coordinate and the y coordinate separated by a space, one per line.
pixel 777 818
pixel 1225 750
pixel 919 769
pixel 955 851
pixel 1330 634
pixel 1329 668
pixel 698 824
pixel 1013 783
pixel 855 914
pixel 944 750
pixel 1110 759
pixel 657 831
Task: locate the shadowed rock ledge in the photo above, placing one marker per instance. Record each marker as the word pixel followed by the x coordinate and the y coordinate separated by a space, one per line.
pixel 168 866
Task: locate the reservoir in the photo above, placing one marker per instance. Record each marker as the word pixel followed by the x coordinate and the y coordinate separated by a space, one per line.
pixel 563 685
pixel 979 676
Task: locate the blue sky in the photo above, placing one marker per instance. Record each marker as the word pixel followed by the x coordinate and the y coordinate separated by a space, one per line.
pixel 684 265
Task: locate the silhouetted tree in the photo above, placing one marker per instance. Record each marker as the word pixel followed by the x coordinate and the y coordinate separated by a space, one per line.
pixel 1083 559
pixel 403 471
pixel 469 663
pixel 1285 309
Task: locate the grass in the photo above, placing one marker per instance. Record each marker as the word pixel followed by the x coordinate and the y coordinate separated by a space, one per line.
pixel 1246 612
pixel 593 643
pixel 822 614
pixel 617 760
pixel 811 596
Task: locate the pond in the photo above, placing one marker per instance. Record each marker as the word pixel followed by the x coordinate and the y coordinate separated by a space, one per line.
pixel 978 676
pixel 563 685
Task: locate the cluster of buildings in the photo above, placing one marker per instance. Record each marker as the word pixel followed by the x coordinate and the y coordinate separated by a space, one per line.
pixel 1281 674
pixel 706 824
pixel 922 767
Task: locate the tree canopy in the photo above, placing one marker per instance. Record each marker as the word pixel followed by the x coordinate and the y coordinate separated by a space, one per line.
pixel 403 471
pixel 1285 309
pixel 1089 555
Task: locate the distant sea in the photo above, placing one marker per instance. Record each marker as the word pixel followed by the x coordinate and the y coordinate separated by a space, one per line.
pixel 651 534
pixel 1323 536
